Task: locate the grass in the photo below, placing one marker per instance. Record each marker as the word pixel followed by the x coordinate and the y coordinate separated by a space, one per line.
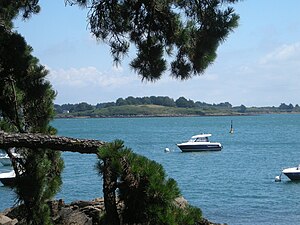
pixel 150 110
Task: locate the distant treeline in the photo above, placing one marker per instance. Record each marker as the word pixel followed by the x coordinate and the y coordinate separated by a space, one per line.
pixel 181 102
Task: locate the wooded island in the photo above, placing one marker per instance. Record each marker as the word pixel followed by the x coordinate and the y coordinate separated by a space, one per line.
pixel 164 106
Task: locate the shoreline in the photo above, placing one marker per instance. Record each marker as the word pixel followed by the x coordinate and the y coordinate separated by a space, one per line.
pixel 79 212
pixel 170 115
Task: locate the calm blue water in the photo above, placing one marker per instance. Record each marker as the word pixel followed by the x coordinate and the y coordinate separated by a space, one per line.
pixel 234 186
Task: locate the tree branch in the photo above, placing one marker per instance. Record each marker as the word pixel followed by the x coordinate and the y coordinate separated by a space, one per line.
pixel 30 140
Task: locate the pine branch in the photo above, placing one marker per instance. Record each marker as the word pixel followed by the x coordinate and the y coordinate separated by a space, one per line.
pixel 56 143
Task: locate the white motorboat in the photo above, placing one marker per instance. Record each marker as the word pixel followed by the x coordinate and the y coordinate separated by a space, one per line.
pixel 199 143
pixel 8 178
pixel 293 172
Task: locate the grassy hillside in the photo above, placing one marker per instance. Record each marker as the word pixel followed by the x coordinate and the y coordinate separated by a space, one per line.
pixel 148 110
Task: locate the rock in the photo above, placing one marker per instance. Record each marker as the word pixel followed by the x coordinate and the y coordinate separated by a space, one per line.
pixel 79 212
pixel 206 222
pixel 68 216
pixel 55 207
pixel 181 202
pixel 15 212
pixel 5 220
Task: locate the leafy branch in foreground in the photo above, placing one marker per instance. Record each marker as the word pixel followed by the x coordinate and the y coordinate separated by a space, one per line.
pixel 141 185
pixel 184 33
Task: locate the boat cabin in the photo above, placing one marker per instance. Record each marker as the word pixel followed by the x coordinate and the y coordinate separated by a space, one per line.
pixel 200 138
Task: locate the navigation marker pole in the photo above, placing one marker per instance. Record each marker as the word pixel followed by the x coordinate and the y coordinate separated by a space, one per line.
pixel 231 128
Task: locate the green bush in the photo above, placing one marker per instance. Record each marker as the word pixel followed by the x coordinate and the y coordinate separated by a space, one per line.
pixel 147 194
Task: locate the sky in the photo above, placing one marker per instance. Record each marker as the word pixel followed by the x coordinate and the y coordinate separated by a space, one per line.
pixel 257 65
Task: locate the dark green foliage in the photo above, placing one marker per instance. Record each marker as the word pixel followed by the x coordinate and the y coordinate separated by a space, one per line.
pixel 10 9
pixel 284 107
pixel 188 216
pixel 140 110
pixel 79 107
pixel 242 109
pixel 154 100
pixel 109 109
pixel 162 100
pixel 26 97
pixel 105 105
pixel 83 106
pixel 184 34
pixel 39 183
pixel 111 151
pixel 143 188
pixel 149 62
pixel 110 168
pixel 182 102
pixel 26 105
pixel 145 106
pixel 146 191
pixel 121 101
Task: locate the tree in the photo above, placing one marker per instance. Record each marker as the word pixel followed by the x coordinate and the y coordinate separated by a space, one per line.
pixel 105 105
pixel 133 101
pixel 165 101
pixel 224 105
pixel 26 105
pixel 182 102
pixel 83 106
pixel 10 9
pixel 121 101
pixel 285 107
pixel 242 109
pixel 146 100
pixel 189 33
pixel 136 177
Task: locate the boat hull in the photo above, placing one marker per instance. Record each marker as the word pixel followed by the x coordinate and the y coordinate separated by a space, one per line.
pixel 199 148
pixel 8 178
pixel 292 173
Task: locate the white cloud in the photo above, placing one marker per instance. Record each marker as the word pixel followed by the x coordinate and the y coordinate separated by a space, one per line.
pixel 283 53
pixel 88 77
pixel 268 80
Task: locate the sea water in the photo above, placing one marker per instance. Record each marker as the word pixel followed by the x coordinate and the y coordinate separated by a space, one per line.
pixel 235 186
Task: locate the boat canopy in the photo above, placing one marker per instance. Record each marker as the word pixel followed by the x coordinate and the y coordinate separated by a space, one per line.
pixel 201 136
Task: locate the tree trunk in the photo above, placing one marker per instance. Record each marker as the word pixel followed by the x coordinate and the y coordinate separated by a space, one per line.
pixel 109 190
pixel 32 141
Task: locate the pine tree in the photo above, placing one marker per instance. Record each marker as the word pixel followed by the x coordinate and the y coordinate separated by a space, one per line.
pixel 143 188
pixel 26 105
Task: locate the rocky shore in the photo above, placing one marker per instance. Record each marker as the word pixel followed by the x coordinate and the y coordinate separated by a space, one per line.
pixel 75 213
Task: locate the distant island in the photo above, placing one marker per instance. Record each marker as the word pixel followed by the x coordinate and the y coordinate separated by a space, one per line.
pixel 162 106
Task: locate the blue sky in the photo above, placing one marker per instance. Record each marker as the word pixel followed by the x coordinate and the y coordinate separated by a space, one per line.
pixel 258 64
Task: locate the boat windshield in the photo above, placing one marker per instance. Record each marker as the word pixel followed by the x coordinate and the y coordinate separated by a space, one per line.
pixel 199 139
